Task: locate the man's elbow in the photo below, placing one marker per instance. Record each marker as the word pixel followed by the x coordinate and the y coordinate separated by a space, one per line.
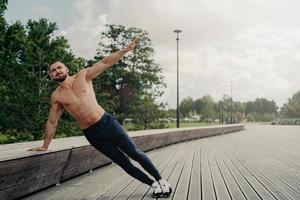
pixel 51 124
pixel 95 71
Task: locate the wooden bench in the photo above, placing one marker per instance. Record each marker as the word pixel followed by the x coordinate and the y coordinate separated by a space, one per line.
pixel 23 172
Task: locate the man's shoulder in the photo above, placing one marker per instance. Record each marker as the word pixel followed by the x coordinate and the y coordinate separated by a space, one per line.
pixel 81 72
pixel 54 94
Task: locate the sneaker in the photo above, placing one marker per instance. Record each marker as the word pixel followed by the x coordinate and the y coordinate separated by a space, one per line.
pixel 166 188
pixel 157 191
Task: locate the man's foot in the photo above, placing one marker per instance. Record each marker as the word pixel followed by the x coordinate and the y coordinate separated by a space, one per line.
pixel 166 188
pixel 157 191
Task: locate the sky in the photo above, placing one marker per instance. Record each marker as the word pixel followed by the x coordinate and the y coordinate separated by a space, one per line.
pixel 252 44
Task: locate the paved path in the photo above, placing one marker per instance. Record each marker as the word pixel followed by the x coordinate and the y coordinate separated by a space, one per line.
pixel 261 162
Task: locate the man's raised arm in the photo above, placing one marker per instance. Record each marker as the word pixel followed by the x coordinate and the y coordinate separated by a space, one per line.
pixel 99 67
pixel 50 127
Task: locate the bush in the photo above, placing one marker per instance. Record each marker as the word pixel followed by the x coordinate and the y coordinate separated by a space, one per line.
pixel 12 136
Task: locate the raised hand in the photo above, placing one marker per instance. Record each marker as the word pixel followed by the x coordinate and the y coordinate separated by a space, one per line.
pixel 132 44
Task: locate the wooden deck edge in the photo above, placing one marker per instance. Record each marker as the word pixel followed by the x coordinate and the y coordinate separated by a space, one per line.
pixel 25 175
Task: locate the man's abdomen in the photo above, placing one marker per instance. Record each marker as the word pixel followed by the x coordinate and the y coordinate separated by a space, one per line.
pixel 87 115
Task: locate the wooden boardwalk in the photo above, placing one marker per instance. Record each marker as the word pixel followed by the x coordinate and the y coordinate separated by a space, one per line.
pixel 261 162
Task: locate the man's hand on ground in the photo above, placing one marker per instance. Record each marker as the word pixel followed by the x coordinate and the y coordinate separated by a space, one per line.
pixel 38 149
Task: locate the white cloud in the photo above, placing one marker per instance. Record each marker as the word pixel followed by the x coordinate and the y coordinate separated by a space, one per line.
pixel 255 44
pixel 84 33
pixel 42 9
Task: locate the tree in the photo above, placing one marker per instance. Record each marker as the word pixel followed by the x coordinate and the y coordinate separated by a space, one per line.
pixel 208 111
pixel 27 87
pixel 261 110
pixel 186 107
pixel 147 113
pixel 198 106
pixel 3 27
pixel 292 107
pixel 239 116
pixel 238 106
pixel 226 105
pixel 249 108
pixel 134 76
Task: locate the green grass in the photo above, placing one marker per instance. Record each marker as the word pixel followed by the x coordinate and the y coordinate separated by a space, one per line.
pixel 3 139
pixel 128 126
pixel 190 124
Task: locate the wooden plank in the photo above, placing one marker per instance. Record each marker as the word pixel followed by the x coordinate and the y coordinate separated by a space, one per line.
pixel 280 185
pixel 31 174
pixel 284 188
pixel 75 186
pixel 244 190
pixel 19 165
pixel 173 153
pixel 221 188
pixel 208 188
pixel 182 189
pixel 288 163
pixel 243 175
pixel 237 184
pixel 271 162
pixel 287 177
pixel 255 182
pixel 33 185
pixel 170 173
pixel 231 185
pixel 162 157
pixel 233 164
pixel 268 166
pixel 18 150
pixel 87 190
pixel 119 186
pixel 195 179
pixel 82 160
pixel 14 180
pixel 261 190
pixel 98 184
pixel 176 172
pixel 276 192
pixel 103 188
pixel 233 189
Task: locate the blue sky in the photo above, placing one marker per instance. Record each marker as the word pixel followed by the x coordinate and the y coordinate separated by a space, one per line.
pixel 254 43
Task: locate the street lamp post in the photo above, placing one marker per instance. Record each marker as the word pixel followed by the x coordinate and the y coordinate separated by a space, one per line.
pixel 231 102
pixel 177 31
pixel 221 111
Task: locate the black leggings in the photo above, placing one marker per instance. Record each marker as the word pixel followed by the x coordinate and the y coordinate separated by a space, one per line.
pixel 108 136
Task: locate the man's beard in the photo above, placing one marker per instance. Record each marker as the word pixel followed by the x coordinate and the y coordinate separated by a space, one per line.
pixel 61 79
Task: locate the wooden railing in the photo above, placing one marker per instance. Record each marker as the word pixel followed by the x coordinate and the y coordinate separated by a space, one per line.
pixel 287 121
pixel 23 172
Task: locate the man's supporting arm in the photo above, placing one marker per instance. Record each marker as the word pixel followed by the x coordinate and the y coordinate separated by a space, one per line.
pixel 50 127
pixel 99 67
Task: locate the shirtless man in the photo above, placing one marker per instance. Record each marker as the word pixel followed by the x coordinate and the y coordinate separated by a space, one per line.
pixel 76 95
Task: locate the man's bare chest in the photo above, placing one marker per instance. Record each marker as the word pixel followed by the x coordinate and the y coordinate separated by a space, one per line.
pixel 80 90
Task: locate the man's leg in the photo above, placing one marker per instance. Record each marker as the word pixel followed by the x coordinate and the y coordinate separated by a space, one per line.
pixel 117 156
pixel 125 143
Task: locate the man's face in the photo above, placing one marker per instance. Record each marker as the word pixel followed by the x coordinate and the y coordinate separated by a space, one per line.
pixel 58 71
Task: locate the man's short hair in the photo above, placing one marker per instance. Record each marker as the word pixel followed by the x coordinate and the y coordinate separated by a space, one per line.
pixel 54 61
